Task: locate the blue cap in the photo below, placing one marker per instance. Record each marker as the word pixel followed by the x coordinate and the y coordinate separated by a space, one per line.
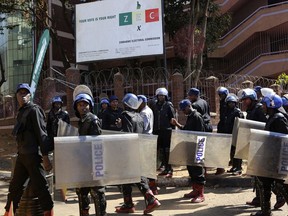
pixel 143 98
pixel 23 86
pixel 113 97
pixel 194 91
pixel 184 103
pixel 104 101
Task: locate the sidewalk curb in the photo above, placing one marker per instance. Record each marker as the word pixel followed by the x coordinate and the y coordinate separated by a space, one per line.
pixel 225 180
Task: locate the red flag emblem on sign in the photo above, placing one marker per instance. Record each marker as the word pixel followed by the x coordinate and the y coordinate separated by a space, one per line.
pixel 152 15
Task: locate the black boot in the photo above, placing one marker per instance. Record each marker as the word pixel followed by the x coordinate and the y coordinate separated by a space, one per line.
pixel 280 200
pixel 98 195
pixel 237 163
pixel 265 196
pixel 282 190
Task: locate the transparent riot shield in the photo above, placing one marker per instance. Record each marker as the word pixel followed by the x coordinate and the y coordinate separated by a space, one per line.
pixel 267 154
pixel 243 136
pixel 200 148
pixel 235 131
pixel 148 155
pixel 148 152
pixel 65 129
pixel 87 161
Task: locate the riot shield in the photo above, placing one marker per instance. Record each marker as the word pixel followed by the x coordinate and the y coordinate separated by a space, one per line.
pixel 268 154
pixel 87 161
pixel 200 148
pixel 65 129
pixel 148 155
pixel 243 136
pixel 148 152
pixel 235 131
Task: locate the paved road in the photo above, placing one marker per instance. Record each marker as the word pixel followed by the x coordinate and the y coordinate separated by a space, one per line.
pixel 227 201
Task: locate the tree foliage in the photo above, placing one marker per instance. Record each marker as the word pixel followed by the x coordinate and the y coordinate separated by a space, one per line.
pixel 195 26
pixel 36 14
pixel 282 80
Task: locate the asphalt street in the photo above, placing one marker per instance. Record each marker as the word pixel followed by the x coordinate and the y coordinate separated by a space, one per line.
pixel 221 199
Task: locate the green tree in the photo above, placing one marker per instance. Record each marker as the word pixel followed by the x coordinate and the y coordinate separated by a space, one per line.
pixel 36 14
pixel 282 80
pixel 195 27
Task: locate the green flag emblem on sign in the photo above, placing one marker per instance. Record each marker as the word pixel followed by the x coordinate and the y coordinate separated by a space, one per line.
pixel 41 51
pixel 125 19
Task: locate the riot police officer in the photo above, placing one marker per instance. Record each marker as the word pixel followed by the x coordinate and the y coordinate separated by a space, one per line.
pixel 194 122
pixel 132 122
pixel 232 112
pixel 201 106
pixel 222 92
pixel 163 111
pixel 33 146
pixel 111 114
pixel 54 115
pixel 277 122
pixel 255 112
pixel 89 124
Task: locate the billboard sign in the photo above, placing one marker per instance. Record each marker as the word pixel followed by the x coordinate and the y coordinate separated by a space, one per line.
pixel 118 29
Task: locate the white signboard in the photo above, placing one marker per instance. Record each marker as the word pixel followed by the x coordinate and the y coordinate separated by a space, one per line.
pixel 113 29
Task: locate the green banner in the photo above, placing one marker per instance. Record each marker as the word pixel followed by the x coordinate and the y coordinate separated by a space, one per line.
pixel 40 55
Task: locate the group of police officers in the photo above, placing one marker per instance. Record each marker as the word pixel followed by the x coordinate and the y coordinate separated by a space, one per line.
pixel 140 115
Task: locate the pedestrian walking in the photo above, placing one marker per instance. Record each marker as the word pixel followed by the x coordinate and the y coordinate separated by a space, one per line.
pixel 89 124
pixel 194 122
pixel 30 132
pixel 131 121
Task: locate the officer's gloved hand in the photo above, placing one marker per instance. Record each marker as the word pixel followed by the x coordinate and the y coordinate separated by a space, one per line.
pixel 46 163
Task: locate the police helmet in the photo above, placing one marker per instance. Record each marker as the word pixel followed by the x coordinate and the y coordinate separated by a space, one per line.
pixel 161 91
pixel 223 90
pixel 247 93
pixel 272 101
pixel 285 100
pixel 257 89
pixel 143 98
pixel 267 91
pixel 131 101
pixel 184 103
pixel 57 99
pixel 231 98
pixel 104 101
pixel 83 97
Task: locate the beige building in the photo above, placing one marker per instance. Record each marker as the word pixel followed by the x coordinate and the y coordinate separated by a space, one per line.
pixel 257 42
